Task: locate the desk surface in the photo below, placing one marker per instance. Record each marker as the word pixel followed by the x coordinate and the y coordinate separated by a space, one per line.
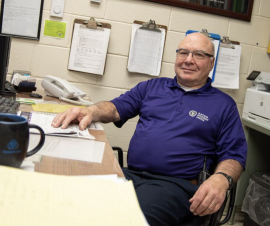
pixel 52 165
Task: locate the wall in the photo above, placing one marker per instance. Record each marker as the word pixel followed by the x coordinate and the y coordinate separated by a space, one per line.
pixel 49 56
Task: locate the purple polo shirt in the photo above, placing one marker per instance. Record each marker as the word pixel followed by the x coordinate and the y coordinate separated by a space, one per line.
pixel 177 128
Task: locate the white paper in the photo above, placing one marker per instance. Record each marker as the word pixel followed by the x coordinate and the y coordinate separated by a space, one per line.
pixel 89 49
pixel 227 69
pixel 44 120
pixel 216 44
pixel 69 148
pixel 28 166
pixel 21 17
pixel 146 50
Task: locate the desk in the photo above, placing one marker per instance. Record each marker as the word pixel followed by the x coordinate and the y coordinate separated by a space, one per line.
pixel 52 165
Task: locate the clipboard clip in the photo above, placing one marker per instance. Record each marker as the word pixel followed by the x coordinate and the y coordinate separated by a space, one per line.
pixel 151 25
pixel 205 32
pixel 92 24
pixel 225 42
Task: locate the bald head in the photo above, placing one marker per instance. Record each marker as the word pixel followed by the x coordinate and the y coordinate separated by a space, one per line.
pixel 202 41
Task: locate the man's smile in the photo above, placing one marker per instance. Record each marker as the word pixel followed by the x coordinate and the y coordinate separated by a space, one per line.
pixel 188 70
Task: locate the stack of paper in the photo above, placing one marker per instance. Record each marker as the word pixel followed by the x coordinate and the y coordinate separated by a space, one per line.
pixel 31 199
pixel 44 120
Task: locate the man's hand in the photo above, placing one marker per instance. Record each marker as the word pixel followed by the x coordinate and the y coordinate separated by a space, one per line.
pixel 83 116
pixel 210 195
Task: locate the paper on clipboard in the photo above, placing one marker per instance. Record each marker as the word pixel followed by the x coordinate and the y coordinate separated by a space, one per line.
pixel 228 68
pixel 89 49
pixel 216 44
pixel 146 50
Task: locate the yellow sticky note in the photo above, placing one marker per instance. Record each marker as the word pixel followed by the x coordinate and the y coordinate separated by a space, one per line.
pixel 53 108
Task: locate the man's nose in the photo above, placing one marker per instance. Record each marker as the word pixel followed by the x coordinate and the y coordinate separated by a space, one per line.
pixel 189 58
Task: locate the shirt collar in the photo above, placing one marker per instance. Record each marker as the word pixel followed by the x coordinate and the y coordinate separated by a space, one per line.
pixel 207 88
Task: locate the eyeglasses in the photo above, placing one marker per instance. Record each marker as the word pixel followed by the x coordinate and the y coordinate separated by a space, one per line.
pixel 196 54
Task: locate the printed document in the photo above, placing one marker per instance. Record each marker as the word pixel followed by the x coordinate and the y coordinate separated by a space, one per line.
pixel 228 67
pixel 146 50
pixel 89 49
pixel 21 17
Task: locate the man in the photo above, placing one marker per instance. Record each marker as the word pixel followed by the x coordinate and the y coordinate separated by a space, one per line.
pixel 182 120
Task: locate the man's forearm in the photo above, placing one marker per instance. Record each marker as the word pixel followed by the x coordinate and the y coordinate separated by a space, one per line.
pixel 230 167
pixel 104 111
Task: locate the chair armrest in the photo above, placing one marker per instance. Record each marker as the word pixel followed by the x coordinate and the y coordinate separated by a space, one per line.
pixel 120 155
pixel 230 207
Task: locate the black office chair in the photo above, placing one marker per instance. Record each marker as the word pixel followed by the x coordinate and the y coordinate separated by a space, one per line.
pixel 120 155
pixel 209 220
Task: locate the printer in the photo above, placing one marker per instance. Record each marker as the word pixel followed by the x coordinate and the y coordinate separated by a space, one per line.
pixel 257 101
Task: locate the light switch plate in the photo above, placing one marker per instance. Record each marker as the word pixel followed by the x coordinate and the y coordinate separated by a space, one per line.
pixel 57 8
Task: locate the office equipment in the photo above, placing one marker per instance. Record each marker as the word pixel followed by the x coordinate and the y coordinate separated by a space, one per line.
pixel 5 42
pixel 21 18
pixel 256 106
pixel 61 88
pixel 24 83
pixel 89 46
pixel 61 200
pixel 215 38
pixel 57 8
pixel 146 48
pixel 20 72
pixel 8 105
pixel 228 65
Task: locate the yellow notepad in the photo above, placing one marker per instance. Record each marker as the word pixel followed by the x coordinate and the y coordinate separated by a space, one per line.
pixel 53 108
pixel 37 199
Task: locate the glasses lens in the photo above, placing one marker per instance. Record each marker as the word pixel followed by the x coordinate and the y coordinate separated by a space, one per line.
pixel 199 55
pixel 183 53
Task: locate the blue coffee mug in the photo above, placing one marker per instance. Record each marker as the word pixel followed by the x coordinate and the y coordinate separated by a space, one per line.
pixel 14 140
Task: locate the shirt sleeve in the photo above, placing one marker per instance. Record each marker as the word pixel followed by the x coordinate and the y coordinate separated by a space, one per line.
pixel 129 104
pixel 231 141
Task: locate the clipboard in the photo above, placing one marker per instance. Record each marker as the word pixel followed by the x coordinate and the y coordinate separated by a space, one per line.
pixel 216 41
pixel 146 48
pixel 89 46
pixel 228 65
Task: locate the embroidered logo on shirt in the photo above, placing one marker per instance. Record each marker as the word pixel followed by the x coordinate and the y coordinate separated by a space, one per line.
pixel 193 113
pixel 199 115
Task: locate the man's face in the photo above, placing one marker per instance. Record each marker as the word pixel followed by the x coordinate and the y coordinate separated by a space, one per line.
pixel 191 72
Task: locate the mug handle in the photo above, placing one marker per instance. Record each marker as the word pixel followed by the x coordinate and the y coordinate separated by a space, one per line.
pixel 41 141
